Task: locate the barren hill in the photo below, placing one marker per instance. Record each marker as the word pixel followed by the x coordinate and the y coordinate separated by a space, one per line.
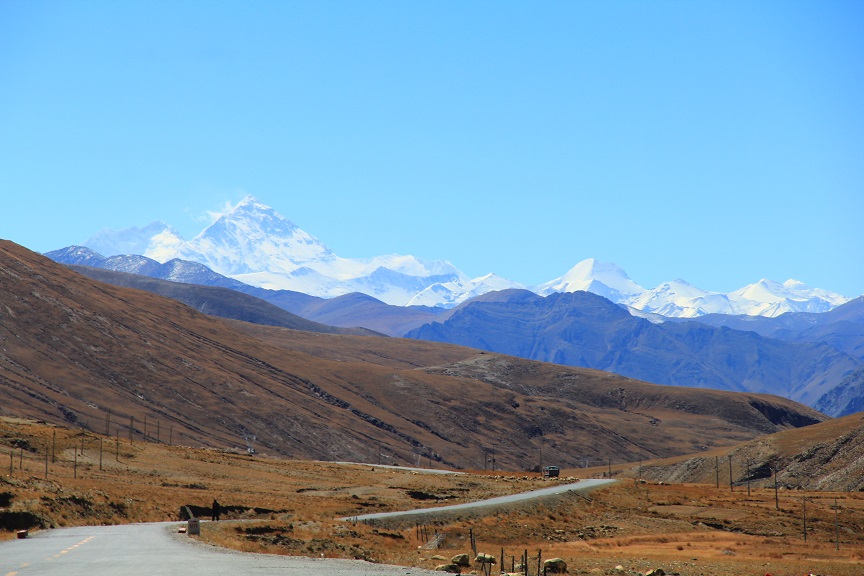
pixel 97 356
pixel 825 456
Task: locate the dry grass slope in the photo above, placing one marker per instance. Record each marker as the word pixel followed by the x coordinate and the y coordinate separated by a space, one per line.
pixel 288 507
pixel 117 360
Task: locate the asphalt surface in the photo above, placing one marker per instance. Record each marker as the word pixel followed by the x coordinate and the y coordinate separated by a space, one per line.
pixel 156 550
pixel 581 486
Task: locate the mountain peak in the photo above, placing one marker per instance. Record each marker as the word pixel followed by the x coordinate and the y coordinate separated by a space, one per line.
pixel 592 275
pixel 156 235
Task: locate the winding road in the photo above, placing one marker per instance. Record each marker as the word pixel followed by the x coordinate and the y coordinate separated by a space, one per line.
pixel 157 549
pixel 581 486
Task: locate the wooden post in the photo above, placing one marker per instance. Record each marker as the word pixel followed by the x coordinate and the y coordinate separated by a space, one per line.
pixel 11 463
pixel 539 561
pixel 20 458
pixel 158 433
pixel 610 467
pixel 46 462
pixel 525 562
pixel 117 446
pixel 54 446
pixel 75 466
pixel 82 445
pixel 108 423
pixel 100 453
pixel 171 438
pixel 131 427
pixel 748 477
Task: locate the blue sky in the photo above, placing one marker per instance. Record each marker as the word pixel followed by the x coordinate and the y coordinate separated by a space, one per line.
pixel 718 142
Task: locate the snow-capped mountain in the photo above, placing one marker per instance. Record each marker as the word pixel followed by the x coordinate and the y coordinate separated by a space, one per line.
pixel 601 278
pixel 151 240
pixel 678 299
pixel 452 293
pixel 769 298
pixel 254 244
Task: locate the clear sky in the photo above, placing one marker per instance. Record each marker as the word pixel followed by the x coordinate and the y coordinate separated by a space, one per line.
pixel 718 142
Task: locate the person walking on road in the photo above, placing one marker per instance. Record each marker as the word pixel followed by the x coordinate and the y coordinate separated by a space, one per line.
pixel 216 510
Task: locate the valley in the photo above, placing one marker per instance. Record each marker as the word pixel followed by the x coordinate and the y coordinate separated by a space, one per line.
pixel 291 507
pixel 122 405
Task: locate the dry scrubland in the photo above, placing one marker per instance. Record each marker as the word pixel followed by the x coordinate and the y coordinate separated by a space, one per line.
pixel 290 507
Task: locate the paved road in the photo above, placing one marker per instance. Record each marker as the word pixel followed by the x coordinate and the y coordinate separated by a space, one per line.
pixel 581 486
pixel 157 550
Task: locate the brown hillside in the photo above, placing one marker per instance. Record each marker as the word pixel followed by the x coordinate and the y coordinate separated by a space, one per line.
pixel 81 352
pixel 825 456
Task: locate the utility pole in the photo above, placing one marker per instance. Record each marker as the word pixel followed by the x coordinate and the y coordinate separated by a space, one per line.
pixel 717 470
pixel 776 497
pixel 731 487
pixel 804 514
pixel 541 454
pixel 836 527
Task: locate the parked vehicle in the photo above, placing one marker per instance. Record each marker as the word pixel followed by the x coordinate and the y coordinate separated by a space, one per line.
pixel 551 471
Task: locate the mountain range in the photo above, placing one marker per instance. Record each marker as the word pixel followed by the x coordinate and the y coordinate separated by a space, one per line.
pixel 85 353
pixel 583 329
pixel 594 316
pixel 256 245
